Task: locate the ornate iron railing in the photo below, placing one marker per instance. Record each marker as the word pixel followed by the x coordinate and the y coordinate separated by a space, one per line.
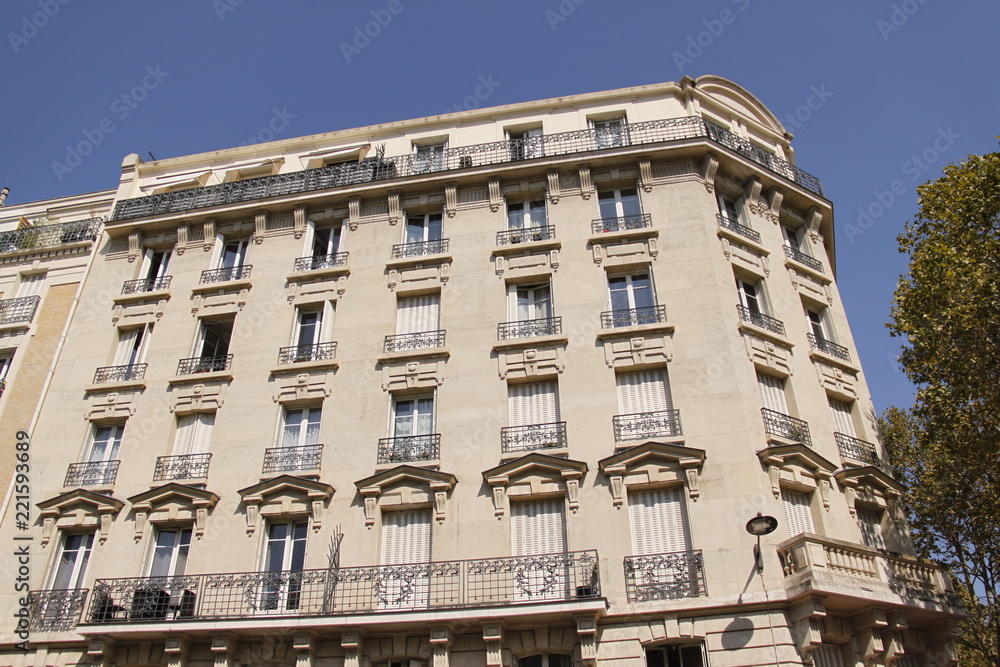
pixel 761 320
pixel 828 347
pixel 532 436
pixel 146 285
pixel 803 258
pixel 50 235
pixel 320 262
pixel 407 448
pixel 463 157
pixel 185 466
pixel 526 235
pixel 859 450
pixel 733 226
pixel 545 326
pixel 299 353
pixel 419 249
pixel 91 473
pixel 120 373
pixel 21 309
pixel 291 459
pixel 630 317
pixel 784 426
pixel 621 224
pixel 487 582
pixel 204 364
pixel 661 423
pixel 414 341
pixel 665 576
pixel 55 610
pixel 222 275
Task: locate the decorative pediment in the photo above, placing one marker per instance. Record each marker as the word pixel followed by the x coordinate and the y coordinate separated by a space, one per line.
pixel 406 486
pixel 77 509
pixel 191 397
pixel 427 372
pixel 535 475
pixel 301 386
pixel 653 464
pixel 798 466
pixel 172 502
pixel 641 349
pixel 283 496
pixel 872 485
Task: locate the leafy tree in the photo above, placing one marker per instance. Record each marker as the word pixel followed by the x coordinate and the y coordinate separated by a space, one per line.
pixel 946 448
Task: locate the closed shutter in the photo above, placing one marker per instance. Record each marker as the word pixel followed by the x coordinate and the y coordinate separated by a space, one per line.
pixel 658 521
pixel 539 527
pixel 828 655
pixel 842 421
pixel 534 403
pixel 798 515
pixel 418 313
pixel 871 528
pixel 31 285
pixel 194 434
pixel 643 391
pixel 406 537
pixel 772 393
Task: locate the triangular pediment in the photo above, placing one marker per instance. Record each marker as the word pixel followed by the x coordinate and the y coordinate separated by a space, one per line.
pixel 870 476
pixel 410 475
pixel 652 452
pixel 175 493
pixel 286 485
pixel 536 463
pixel 89 501
pixel 796 455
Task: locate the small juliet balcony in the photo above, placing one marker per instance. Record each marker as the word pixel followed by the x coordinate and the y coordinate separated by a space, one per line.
pixel 526 235
pixel 545 326
pixel 761 320
pixel 420 248
pixel 91 473
pixel 225 275
pixel 641 425
pixel 297 354
pixel 857 450
pixel 55 610
pixel 828 347
pixel 317 262
pixel 19 310
pixel 278 460
pixel 667 576
pixel 409 449
pixel 785 426
pixel 802 258
pixel 631 317
pixel 146 285
pixel 185 466
pixel 621 224
pixel 532 437
pixel 732 225
pixel 194 365
pixel 127 373
pixel 414 341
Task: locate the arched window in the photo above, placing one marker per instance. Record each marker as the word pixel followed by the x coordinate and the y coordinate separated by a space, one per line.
pixel 676 655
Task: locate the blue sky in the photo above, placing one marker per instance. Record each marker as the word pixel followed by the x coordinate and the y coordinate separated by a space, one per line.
pixel 898 90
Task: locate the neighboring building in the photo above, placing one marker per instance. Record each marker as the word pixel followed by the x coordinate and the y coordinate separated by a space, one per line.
pixel 499 387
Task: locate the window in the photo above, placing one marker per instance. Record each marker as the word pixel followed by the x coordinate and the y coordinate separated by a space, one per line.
pixel 132 345
pixel 731 209
pixel 525 144
pixel 530 301
pixel 412 416
pixel 229 254
pixel 301 427
pixel 313 324
pixel 610 133
pixel 154 267
pixel 870 523
pixel 105 443
pixel 214 339
pixel 798 514
pixel 429 157
pixel 643 392
pixel 538 526
pixel 628 293
pixel 418 314
pixel 676 655
pixel 406 539
pixel 170 552
pixel 194 434
pixel 71 568
pixel 527 215
pixel 284 559
pixel 30 285
pixel 618 203
pixel 818 324
pixel 793 238
pixel 829 655
pixel 843 422
pixel 534 403
pixel 423 228
pixel 326 241
pixel 772 393
pixel 6 359
pixel 659 521
pixel 751 295
pixel 545 660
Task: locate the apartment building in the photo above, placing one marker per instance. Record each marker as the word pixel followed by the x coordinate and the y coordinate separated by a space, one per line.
pixel 505 387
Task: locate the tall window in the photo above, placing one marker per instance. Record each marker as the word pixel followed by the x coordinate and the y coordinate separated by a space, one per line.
pixel 284 559
pixel 619 203
pixel 429 157
pixel 301 427
pixel 870 523
pixel 230 254
pixel 843 421
pixel 170 552
pixel 539 526
pixel 412 416
pixel 418 314
pixel 643 391
pixel 659 521
pixel 194 433
pixel 73 558
pixel 798 514
pixel 326 241
pixel 609 133
pixel 422 228
pixel 525 144
pixel 154 266
pixel 751 296
pixel 545 660
pixel 676 655
pixel 533 403
pixel 526 214
pixel 772 393
pixel 31 285
pixel 132 345
pixel 6 359
pixel 406 539
pixel 530 301
pixel 731 209
pixel 214 339
pixel 630 291
pixel 105 443
pixel 794 238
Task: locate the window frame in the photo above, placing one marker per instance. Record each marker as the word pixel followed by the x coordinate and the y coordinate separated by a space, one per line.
pixel 414 418
pixel 427 224
pixel 737 214
pixel 219 252
pixel 307 427
pixel 152 269
pixel 115 443
pixel 30 284
pixel 758 299
pixel 630 290
pixel 206 326
pixel 665 660
pixel 529 209
pixel 429 156
pixel 788 506
pixel 78 571
pixel 176 564
pixel 537 305
pixel 619 202
pixel 607 127
pixel 133 353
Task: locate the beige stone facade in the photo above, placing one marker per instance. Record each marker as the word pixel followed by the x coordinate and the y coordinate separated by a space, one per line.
pixel 500 387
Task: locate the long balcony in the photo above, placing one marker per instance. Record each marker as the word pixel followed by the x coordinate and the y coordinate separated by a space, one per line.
pixel 414 341
pixel 728 223
pixel 193 365
pixel 21 309
pixel 803 258
pixel 463 157
pixel 50 235
pixel 828 347
pixel 666 576
pixel 127 373
pixel 185 466
pixel 55 610
pixel 210 276
pixel 146 285
pixel 621 224
pixel 302 353
pixel 409 449
pixel 658 424
pixel 532 437
pixel 491 582
pixel 630 317
pixel 91 473
pixel 761 320
pixel 291 459
pixel 545 326
pixel 419 249
pixel 857 450
pixel 785 426
pixel 526 235
pixel 320 262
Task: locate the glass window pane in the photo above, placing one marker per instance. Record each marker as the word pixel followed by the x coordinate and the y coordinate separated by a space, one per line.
pixel 607 204
pixel 630 202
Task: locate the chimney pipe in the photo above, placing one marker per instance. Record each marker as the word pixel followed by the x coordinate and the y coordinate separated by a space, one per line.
pixel 3 195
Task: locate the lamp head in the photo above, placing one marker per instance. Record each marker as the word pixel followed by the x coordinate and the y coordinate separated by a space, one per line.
pixel 762 525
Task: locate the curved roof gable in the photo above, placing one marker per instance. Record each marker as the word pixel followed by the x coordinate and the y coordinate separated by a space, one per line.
pixel 740 100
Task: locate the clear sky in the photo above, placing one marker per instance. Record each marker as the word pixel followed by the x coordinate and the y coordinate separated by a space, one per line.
pixel 880 94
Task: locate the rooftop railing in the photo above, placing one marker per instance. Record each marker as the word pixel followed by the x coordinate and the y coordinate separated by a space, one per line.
pixel 21 309
pixel 91 473
pixel 544 326
pixel 50 235
pixel 120 373
pixel 858 450
pixel 803 258
pixel 320 262
pixel 761 320
pixel 222 275
pixel 193 365
pixel 146 285
pixel 291 459
pixel 621 224
pixel 531 437
pixel 660 423
pixel 409 448
pixel 414 341
pixel 184 466
pixel 666 576
pixel 630 317
pixel 300 353
pixel 526 235
pixel 785 426
pixel 728 223
pixel 828 347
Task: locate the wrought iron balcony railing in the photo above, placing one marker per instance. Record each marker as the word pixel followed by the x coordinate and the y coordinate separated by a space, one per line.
pixel 414 341
pixel 21 309
pixel 733 226
pixel 320 262
pixel 91 473
pixel 407 448
pixel 828 347
pixel 55 610
pixel 291 459
pixel 630 317
pixel 665 576
pixel 120 373
pixel 784 426
pixel 803 258
pixel 204 364
pixel 532 436
pixel 661 423
pixel 300 353
pixel 146 285
pixel 50 235
pixel 621 224
pixel 222 275
pixel 492 582
pixel 761 320
pixel 419 249
pixel 185 466
pixel 545 326
pixel 526 235
pixel 462 157
pixel 859 450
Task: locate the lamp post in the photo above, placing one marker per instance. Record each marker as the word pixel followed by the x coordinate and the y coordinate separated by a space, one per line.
pixel 760 525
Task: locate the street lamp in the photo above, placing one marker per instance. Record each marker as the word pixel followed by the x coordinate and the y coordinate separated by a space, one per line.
pixel 760 525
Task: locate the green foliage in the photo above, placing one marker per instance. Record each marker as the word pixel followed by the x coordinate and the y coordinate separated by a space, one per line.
pixel 946 449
